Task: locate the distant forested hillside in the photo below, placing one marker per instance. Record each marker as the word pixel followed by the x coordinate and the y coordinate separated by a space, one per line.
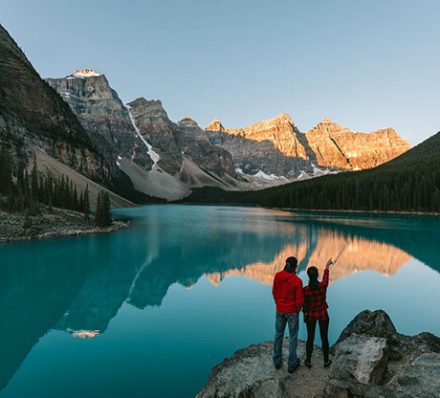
pixel 410 182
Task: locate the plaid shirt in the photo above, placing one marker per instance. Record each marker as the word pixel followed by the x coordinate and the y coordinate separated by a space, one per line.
pixel 315 304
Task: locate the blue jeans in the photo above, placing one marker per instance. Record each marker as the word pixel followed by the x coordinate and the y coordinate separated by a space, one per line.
pixel 280 325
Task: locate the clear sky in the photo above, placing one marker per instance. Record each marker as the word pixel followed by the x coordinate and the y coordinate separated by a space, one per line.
pixel 366 64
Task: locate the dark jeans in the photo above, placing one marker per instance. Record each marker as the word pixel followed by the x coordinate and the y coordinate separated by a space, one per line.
pixel 280 325
pixel 323 329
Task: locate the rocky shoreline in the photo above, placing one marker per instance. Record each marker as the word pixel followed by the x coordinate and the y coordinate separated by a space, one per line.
pixel 16 227
pixel 370 360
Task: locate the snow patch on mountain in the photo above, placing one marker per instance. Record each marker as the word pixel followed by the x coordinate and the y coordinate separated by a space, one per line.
pixel 261 174
pixel 153 155
pixel 86 73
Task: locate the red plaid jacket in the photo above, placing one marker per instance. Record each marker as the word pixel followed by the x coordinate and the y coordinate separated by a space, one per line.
pixel 315 304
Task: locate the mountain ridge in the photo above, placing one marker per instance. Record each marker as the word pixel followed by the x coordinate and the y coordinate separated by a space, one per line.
pixel 407 183
pixel 320 144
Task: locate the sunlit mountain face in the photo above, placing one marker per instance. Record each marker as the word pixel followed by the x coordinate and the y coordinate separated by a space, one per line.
pixel 124 298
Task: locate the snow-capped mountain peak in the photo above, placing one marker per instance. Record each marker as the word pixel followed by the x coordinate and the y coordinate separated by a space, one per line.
pixel 86 73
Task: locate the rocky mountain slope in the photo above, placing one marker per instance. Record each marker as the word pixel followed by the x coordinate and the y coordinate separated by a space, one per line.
pixel 276 146
pixel 182 162
pixel 127 135
pixel 172 145
pixel 257 154
pixel 337 146
pixel 103 115
pixel 33 116
pixel 281 131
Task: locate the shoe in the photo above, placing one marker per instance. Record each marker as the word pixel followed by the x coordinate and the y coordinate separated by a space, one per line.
pixel 291 369
pixel 327 364
pixel 308 363
pixel 278 366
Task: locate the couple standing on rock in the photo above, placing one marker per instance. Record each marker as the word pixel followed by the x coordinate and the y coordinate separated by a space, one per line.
pixel 290 296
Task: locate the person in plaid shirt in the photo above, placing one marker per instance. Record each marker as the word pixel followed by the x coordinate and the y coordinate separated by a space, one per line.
pixel 315 311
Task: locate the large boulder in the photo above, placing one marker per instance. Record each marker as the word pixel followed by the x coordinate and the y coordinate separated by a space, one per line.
pixel 419 378
pixel 370 323
pixel 359 359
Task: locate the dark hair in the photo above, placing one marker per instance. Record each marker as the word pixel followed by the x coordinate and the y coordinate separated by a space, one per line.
pixel 312 272
pixel 291 264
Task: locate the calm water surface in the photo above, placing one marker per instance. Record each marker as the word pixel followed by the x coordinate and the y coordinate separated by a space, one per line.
pixel 185 286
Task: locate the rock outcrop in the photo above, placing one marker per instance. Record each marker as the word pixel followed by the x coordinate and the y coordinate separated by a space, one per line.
pixel 280 130
pixel 173 145
pixel 277 146
pixel 274 147
pixel 250 373
pixel 103 115
pixel 371 360
pixel 339 147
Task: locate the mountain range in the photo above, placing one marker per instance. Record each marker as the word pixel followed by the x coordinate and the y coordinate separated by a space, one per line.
pixel 78 125
pixel 408 183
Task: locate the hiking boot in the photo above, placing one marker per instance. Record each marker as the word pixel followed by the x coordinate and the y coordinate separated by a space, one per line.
pixel 308 363
pixel 278 365
pixel 291 369
pixel 327 363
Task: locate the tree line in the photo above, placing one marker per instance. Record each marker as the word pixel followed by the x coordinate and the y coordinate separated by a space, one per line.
pixel 390 192
pixel 26 191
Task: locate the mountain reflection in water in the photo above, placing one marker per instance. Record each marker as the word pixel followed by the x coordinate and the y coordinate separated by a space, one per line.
pixel 79 284
pixel 354 254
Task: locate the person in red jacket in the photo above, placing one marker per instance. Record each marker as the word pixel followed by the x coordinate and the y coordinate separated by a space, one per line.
pixel 287 290
pixel 315 311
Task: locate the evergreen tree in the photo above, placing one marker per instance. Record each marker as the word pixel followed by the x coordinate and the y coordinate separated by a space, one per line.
pixel 86 203
pixel 103 214
pixel 5 171
pixel 106 204
pixel 34 179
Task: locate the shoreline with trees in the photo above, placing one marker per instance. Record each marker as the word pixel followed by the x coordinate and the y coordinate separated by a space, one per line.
pixel 37 205
pixel 55 224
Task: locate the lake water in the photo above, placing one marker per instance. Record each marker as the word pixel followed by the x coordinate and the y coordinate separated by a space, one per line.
pixel 185 286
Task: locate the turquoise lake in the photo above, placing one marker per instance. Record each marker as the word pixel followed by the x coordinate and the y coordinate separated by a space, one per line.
pixel 147 311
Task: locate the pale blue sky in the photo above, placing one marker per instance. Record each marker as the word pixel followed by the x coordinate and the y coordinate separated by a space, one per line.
pixel 364 63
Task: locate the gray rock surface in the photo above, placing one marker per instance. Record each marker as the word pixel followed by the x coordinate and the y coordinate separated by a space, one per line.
pixel 361 357
pixel 340 147
pixel 365 365
pixel 274 146
pixel 358 359
pixel 327 146
pixel 250 373
pixel 103 115
pixel 252 156
pixel 370 323
pixel 169 140
pixel 418 378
